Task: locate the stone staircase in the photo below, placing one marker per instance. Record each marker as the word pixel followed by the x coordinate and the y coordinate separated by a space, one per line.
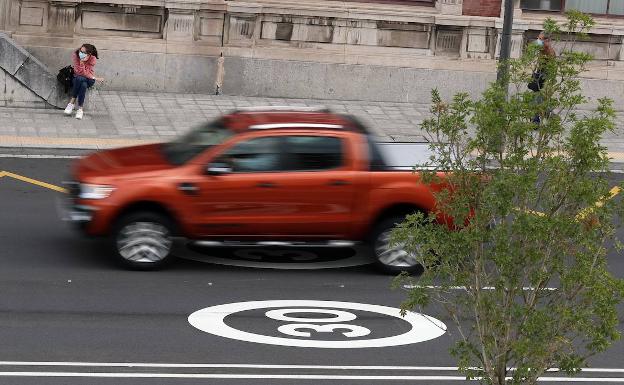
pixel 25 81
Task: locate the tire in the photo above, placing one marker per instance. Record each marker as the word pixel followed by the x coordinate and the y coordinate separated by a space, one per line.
pixel 143 240
pixel 391 260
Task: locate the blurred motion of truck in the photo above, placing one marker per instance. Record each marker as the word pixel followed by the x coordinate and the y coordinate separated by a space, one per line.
pixel 264 176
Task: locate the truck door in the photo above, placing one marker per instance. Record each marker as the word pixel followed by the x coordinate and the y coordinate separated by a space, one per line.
pixel 317 185
pixel 240 196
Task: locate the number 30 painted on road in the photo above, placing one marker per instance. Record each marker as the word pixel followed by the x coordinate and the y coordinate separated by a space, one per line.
pixel 293 329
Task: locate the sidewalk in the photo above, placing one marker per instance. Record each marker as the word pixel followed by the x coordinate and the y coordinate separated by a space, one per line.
pixel 114 119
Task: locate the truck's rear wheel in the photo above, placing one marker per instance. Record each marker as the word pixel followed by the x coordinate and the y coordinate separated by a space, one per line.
pixel 143 240
pixel 391 258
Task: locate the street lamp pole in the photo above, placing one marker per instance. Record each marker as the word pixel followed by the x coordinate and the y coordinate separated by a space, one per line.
pixel 505 49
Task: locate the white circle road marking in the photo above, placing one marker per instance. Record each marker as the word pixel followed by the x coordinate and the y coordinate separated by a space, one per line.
pixel 212 320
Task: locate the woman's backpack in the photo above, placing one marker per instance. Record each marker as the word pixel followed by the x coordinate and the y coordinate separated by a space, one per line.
pixel 537 81
pixel 65 77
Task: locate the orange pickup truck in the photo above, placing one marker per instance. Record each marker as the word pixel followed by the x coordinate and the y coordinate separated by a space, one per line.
pixel 267 176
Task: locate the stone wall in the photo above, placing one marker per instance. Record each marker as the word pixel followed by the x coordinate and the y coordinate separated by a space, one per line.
pixel 172 45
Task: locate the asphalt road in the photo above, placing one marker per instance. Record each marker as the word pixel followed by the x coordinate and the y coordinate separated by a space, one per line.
pixel 70 315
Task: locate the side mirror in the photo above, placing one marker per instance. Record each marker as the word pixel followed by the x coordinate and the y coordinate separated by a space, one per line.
pixel 218 168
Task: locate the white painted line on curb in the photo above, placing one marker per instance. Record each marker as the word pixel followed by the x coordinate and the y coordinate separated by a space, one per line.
pixel 284 376
pixel 44 156
pixel 261 366
pixel 37 156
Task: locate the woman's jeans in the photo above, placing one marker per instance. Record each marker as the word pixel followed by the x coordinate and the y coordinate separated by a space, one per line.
pixel 79 90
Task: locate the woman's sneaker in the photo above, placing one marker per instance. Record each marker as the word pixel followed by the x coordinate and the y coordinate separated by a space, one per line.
pixel 79 113
pixel 69 109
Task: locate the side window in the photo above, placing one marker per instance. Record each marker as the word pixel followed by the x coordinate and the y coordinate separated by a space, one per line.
pixel 254 155
pixel 310 153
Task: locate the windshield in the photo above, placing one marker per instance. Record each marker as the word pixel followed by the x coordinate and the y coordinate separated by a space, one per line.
pixel 193 143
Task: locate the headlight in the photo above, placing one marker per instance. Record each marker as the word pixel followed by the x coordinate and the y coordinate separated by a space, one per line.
pixel 95 191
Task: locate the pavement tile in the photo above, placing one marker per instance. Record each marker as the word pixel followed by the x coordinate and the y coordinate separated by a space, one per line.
pixel 167 133
pixel 149 134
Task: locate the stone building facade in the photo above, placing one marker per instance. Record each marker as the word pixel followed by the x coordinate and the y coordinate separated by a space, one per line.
pixel 393 50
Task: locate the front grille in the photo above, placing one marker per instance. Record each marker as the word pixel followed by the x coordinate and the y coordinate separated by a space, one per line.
pixel 73 189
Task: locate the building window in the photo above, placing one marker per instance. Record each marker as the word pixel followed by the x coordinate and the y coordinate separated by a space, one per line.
pixel 589 6
pixel 599 7
pixel 541 5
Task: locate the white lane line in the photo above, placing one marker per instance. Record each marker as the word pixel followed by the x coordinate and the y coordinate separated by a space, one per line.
pixel 231 376
pixel 224 366
pixel 262 366
pixel 284 376
pixel 37 156
pixel 526 288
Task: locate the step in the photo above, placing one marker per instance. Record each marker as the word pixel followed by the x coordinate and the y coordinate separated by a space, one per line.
pixel 30 72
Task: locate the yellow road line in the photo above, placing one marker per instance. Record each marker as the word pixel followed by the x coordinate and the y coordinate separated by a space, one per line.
pixel 537 213
pixel 33 181
pixel 612 193
pixel 585 212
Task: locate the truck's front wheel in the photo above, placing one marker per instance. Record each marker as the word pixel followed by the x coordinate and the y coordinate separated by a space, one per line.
pixel 143 241
pixel 391 258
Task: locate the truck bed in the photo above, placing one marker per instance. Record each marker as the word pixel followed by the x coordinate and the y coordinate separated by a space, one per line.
pixel 403 155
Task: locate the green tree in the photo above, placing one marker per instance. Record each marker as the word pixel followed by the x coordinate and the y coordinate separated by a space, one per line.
pixel 531 211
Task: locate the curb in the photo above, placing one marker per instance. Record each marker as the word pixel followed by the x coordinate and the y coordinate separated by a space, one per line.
pixel 33 142
pixel 50 145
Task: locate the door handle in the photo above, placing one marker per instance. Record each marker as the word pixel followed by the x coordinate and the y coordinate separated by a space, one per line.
pixel 188 188
pixel 266 184
pixel 339 182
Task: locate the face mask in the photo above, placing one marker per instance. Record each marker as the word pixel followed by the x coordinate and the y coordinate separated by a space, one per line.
pixel 540 42
pixel 82 55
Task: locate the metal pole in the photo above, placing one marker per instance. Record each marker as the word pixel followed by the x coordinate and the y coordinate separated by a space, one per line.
pixel 505 49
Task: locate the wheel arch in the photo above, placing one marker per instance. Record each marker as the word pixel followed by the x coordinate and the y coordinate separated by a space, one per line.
pixel 394 210
pixel 148 206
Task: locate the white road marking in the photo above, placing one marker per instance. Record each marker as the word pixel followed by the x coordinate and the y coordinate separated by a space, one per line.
pixel 260 366
pixel 463 288
pixel 285 376
pixel 212 320
pixel 237 366
pixel 231 376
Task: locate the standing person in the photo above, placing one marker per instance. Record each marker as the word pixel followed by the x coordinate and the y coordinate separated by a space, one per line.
pixel 220 75
pixel 547 53
pixel 83 62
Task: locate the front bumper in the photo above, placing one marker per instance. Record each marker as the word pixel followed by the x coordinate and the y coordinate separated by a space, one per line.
pixel 70 210
pixel 81 214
